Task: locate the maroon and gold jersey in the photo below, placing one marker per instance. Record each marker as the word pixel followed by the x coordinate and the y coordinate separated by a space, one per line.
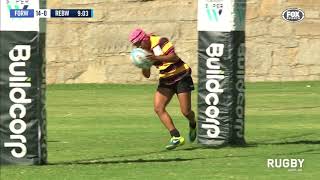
pixel 169 72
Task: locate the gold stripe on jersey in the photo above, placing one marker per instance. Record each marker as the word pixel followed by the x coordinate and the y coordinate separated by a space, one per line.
pixel 165 65
pixel 154 41
pixel 175 71
pixel 166 47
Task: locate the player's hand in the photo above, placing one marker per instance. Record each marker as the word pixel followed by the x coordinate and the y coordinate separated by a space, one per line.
pixel 152 57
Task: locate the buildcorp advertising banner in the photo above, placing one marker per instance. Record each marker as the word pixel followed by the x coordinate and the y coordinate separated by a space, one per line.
pixel 22 87
pixel 221 52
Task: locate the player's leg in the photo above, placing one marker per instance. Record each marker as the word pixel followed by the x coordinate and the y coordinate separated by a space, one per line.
pixel 161 99
pixel 184 89
pixel 185 107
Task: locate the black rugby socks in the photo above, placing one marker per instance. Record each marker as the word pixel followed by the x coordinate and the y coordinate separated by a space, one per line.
pixel 175 133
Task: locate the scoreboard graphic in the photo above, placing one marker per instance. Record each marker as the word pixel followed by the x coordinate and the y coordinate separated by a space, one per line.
pixel 51 13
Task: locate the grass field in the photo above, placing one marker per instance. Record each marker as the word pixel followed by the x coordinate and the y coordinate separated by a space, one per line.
pixel 111 132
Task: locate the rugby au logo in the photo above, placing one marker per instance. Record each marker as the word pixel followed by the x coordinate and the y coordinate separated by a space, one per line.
pixel 290 164
pixel 293 15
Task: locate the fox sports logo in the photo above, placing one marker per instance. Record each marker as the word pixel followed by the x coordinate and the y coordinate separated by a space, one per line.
pixel 293 15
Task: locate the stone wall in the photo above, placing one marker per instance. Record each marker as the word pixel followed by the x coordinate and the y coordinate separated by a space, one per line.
pixel 96 50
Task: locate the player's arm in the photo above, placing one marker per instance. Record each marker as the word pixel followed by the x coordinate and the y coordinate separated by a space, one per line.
pixel 146 73
pixel 172 57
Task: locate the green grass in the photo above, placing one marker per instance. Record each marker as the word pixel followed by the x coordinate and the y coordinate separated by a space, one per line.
pixel 111 132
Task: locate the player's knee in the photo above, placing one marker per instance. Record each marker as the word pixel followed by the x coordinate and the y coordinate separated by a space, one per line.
pixel 159 109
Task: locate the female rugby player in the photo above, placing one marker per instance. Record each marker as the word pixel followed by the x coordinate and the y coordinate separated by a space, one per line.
pixel 174 78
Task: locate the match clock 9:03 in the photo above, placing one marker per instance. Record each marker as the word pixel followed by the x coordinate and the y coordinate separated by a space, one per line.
pixel 83 13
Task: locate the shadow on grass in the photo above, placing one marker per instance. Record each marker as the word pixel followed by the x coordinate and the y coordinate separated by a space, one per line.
pixel 298 142
pixel 218 147
pixel 54 141
pixel 101 161
pixel 106 161
pixel 288 142
pixel 134 159
pixel 290 109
